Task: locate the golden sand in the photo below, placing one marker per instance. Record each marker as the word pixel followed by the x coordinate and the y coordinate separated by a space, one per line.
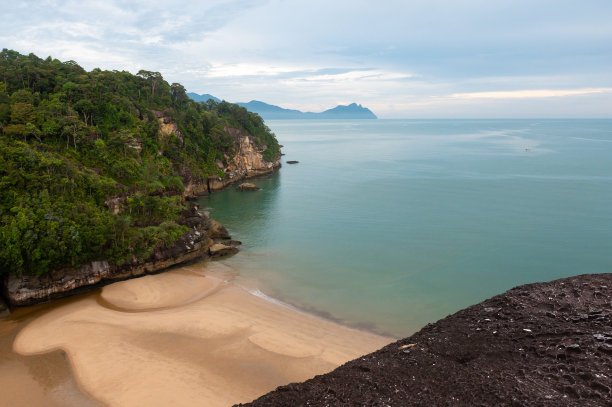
pixel 184 338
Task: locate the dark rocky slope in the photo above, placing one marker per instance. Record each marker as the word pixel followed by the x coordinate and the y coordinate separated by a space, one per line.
pixel 544 344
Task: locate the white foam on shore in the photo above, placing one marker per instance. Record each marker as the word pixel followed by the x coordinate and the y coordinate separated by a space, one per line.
pixel 258 293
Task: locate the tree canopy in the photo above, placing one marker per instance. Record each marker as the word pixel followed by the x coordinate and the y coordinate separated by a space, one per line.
pixel 72 141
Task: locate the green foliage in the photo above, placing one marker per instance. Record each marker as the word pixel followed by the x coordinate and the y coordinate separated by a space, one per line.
pixel 72 140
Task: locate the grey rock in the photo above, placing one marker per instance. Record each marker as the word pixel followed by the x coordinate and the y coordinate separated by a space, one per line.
pixel 248 187
pixel 219 250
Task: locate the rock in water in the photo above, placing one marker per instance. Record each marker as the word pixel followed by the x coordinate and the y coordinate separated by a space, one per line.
pixel 219 250
pixel 248 187
pixel 292 162
pixel 218 231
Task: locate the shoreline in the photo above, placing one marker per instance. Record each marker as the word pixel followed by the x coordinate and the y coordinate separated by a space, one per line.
pixel 158 340
pixel 544 344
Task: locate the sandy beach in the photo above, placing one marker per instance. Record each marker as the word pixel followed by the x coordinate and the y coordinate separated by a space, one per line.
pixel 186 338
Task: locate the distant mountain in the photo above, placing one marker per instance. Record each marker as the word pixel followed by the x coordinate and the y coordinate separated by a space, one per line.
pixel 202 98
pixel 272 112
pixel 352 111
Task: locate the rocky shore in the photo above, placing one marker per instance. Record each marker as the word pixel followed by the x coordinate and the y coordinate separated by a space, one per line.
pixel 203 233
pixel 205 236
pixel 543 344
pixel 247 163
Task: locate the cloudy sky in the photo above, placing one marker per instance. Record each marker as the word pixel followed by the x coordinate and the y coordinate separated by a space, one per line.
pixel 402 59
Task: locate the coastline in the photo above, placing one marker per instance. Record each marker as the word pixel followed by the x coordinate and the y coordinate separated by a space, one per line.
pixel 539 344
pixel 184 337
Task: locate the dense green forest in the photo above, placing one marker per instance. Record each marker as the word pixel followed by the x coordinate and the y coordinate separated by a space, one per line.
pixel 72 140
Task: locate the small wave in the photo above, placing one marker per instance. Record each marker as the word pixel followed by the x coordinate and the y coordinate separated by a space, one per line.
pixel 257 293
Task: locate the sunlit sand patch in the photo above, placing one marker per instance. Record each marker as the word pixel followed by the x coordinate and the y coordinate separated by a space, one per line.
pixel 159 291
pixel 226 347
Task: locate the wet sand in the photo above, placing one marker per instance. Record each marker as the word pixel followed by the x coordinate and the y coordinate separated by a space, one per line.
pixel 186 338
pixel 35 381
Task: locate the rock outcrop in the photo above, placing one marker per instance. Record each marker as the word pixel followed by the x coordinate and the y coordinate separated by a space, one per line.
pixel 195 188
pixel 167 126
pixel 220 249
pixel 195 243
pixel 246 186
pixel 248 162
pixel 544 344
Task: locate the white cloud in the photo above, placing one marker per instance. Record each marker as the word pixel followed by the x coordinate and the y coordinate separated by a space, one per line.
pixel 220 70
pixel 399 57
pixel 529 94
pixel 354 76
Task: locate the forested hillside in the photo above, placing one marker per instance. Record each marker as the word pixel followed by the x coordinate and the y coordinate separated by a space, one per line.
pixel 85 172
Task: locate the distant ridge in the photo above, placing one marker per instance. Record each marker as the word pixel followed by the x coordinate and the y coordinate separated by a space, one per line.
pixel 202 98
pixel 272 112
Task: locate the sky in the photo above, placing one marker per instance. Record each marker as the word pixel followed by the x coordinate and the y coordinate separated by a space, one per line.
pixel 401 59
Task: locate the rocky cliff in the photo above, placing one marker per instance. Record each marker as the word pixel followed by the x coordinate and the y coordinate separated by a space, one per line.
pixel 244 161
pixel 248 162
pixel 202 238
pixel 544 344
pixel 202 234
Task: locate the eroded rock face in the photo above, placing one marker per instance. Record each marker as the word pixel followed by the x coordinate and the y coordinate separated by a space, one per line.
pixel 166 125
pixel 27 290
pixel 195 188
pixel 248 162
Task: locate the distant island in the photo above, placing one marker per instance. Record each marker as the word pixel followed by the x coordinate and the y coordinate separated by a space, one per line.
pixel 272 112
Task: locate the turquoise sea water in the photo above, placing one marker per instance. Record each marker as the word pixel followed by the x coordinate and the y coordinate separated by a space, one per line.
pixel 391 224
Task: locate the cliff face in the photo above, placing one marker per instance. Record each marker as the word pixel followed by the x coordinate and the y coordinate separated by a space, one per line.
pixel 203 232
pixel 195 243
pixel 248 162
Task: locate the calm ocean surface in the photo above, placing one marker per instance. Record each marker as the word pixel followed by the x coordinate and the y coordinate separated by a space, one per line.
pixel 391 224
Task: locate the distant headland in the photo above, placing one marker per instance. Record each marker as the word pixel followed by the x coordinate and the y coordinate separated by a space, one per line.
pixel 272 112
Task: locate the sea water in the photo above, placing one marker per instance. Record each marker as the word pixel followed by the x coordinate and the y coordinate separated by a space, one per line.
pixel 391 224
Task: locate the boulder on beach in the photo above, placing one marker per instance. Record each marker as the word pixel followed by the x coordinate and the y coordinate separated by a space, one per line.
pixel 219 250
pixel 292 162
pixel 248 187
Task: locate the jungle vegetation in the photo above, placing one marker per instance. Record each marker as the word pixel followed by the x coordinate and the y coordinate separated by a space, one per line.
pixel 72 141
